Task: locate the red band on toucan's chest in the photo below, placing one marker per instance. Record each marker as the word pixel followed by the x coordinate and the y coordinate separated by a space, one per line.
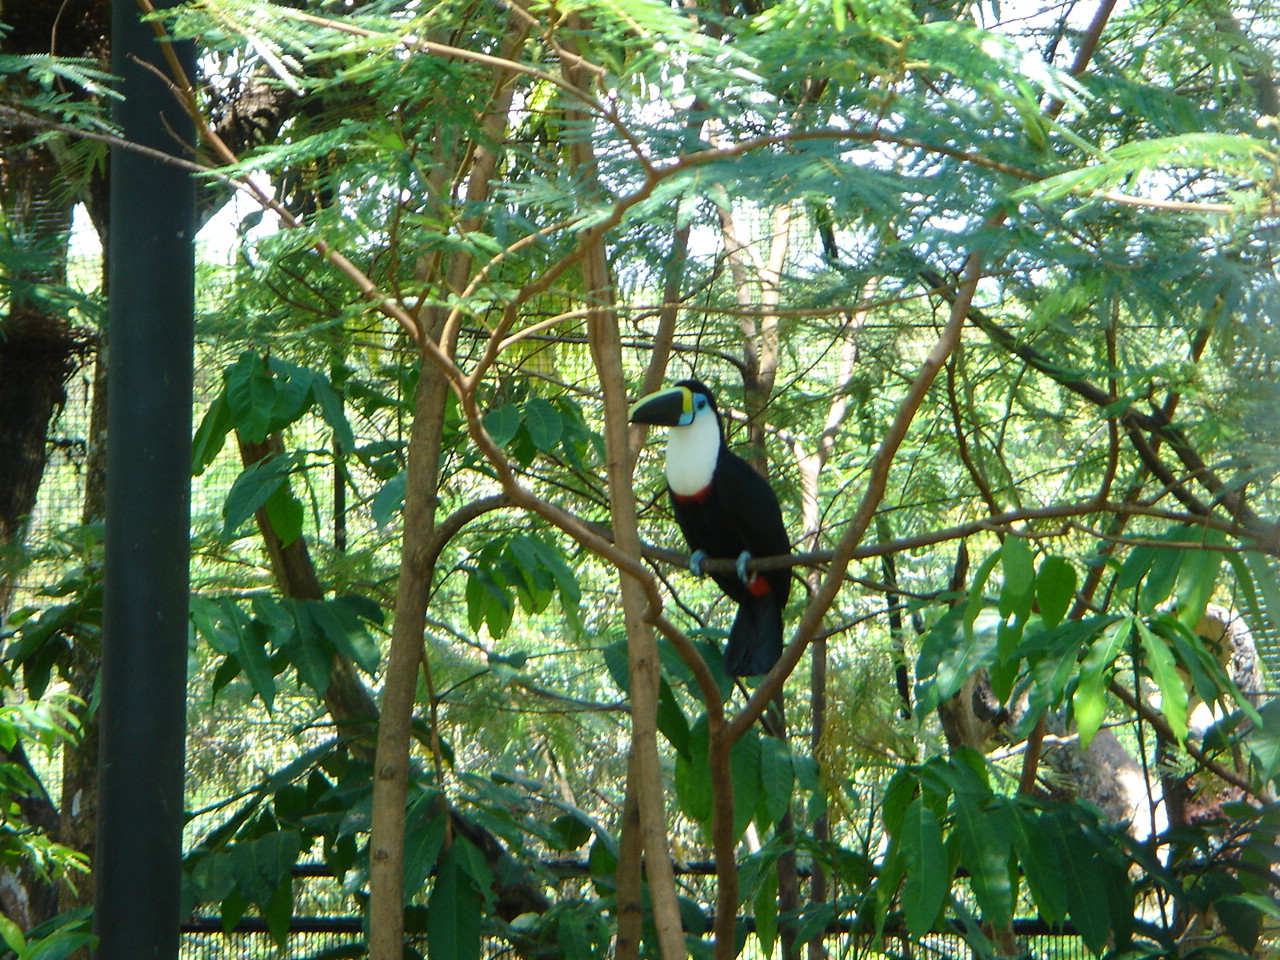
pixel 700 497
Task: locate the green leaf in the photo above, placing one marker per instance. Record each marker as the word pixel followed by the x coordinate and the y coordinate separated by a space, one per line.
pixel 1089 702
pixel 1019 578
pixel 572 937
pixel 424 839
pixel 959 653
pixel 334 412
pixel 488 603
pixel 693 775
pixel 777 776
pixel 1135 567
pixel 12 934
pixel 1162 577
pixel 310 653
pixel 766 912
pixel 255 485
pixel 61 944
pixel 1055 589
pixel 252 656
pixel 211 435
pixel 344 625
pixel 1040 865
pixel 285 514
pixel 389 499
pixel 543 423
pixel 261 865
pixel 976 602
pixel 672 722
pixel 250 397
pixel 898 795
pixel 278 912
pixel 1264 740
pixel 1164 670
pixel 927 875
pixel 984 849
pixel 1267 588
pixel 502 424
pixel 1086 895
pixel 453 912
pixel 744 770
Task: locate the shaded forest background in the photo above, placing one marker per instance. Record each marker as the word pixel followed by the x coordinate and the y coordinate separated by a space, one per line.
pixel 987 293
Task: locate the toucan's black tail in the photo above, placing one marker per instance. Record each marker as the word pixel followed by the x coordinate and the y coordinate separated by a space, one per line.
pixel 755 639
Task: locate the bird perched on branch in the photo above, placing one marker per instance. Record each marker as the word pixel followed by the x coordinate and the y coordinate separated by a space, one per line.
pixel 726 510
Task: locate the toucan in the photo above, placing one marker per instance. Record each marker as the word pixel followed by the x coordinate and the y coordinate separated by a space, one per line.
pixel 726 510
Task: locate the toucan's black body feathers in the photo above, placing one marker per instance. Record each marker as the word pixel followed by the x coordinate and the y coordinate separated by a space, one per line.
pixel 735 512
pixel 741 513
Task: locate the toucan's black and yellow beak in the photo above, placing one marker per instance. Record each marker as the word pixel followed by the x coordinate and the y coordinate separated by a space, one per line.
pixel 665 408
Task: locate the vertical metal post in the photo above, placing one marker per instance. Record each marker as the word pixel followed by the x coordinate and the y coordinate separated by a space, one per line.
pixel 151 269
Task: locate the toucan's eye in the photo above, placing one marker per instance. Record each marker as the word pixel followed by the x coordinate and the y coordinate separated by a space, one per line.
pixel 699 401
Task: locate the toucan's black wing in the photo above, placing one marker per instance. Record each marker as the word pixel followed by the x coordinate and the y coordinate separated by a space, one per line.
pixel 754 516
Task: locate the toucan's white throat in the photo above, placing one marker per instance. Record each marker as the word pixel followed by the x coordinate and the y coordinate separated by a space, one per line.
pixel 692 452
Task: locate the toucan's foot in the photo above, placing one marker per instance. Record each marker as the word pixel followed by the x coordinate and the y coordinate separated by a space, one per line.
pixel 696 560
pixel 743 557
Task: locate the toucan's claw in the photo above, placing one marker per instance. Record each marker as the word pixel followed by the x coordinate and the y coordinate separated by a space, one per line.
pixel 743 557
pixel 696 560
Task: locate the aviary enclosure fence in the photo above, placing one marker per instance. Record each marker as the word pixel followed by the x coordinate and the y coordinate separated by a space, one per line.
pixel 224 762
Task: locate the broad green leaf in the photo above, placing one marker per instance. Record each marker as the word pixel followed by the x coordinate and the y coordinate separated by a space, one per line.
pixel 309 650
pixel 389 499
pixel 250 397
pixel 1197 579
pixel 693 775
pixel 254 661
pixel 1055 589
pixel 334 413
pixel 219 622
pixel 898 795
pixel 1162 577
pixel 61 944
pixel 571 831
pixel 1264 740
pixel 285 514
pixel 777 777
pixel 959 654
pixel 1086 895
pixel 1019 578
pixel 278 911
pixel 211 435
pixel 424 839
pixel 1135 567
pixel 1089 702
pixel 12 934
pixel 260 865
pixel 1164 670
pixel 1039 859
pixel 976 600
pixel 543 423
pixel 343 626
pixel 255 485
pixel 453 912
pixel 927 877
pixel 984 849
pixel 766 912
pixel 672 722
pixel 744 769
pixel 502 424
pixel 572 937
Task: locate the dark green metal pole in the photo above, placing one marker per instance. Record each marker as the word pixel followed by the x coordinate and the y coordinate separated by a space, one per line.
pixel 151 267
